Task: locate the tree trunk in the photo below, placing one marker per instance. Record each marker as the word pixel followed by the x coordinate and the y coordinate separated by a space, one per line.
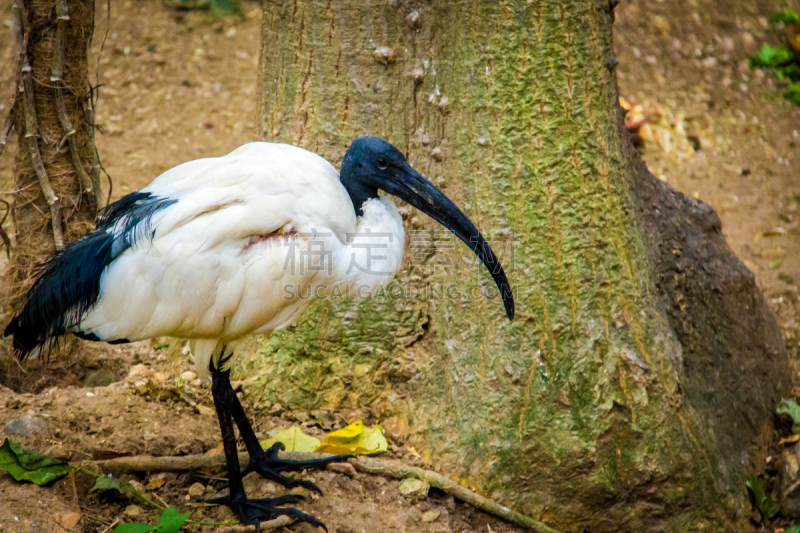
pixel 633 391
pixel 56 173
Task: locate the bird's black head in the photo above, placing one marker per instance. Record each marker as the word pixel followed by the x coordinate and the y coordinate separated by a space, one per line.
pixel 371 164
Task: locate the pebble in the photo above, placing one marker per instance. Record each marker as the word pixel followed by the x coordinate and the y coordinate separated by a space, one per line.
pixel 450 505
pixel 68 520
pixel 133 511
pixel 203 410
pixel 26 425
pixel 101 377
pixel 431 516
pixel 188 376
pixel 415 488
pixel 197 490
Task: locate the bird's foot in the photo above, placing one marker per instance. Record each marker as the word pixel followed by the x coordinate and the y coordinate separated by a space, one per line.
pixel 253 511
pixel 269 466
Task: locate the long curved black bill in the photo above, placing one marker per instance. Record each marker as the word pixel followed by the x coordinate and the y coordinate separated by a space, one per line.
pixel 422 194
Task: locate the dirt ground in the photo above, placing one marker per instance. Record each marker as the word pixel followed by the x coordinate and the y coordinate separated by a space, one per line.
pixel 180 85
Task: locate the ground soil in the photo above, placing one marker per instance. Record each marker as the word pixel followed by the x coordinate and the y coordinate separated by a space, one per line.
pixel 179 85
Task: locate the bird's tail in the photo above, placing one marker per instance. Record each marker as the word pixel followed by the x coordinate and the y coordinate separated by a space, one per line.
pixel 66 286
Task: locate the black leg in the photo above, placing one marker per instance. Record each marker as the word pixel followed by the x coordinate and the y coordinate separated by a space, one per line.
pixel 266 462
pixel 248 511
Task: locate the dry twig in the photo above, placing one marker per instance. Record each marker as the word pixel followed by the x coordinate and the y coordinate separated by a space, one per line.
pixel 368 465
pixel 8 125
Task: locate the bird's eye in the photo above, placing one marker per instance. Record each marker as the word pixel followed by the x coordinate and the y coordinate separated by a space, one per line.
pixel 382 164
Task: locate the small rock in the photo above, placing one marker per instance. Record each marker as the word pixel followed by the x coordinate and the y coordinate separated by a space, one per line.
pixel 197 490
pixel 138 486
pixel 197 382
pixel 224 514
pixel 142 386
pixel 450 505
pixel 203 410
pixel 101 377
pixel 26 425
pixel 133 511
pixel 710 62
pixel 437 154
pixel 68 520
pixel 14 403
pixel 188 376
pixel 431 516
pixel 413 19
pixel 415 488
pixel 384 55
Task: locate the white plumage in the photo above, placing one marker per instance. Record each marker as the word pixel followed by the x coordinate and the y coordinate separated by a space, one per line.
pixel 249 234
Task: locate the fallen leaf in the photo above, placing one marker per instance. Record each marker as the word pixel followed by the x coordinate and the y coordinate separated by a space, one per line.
pixel 28 465
pixel 792 410
pixel 155 484
pixel 791 439
pixel 294 440
pixel 794 528
pixel 763 501
pixel 355 439
pixel 123 486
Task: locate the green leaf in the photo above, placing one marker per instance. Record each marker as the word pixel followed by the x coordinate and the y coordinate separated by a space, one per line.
pixel 788 407
pixel 793 95
pixel 170 521
pixel 112 483
pixel 763 501
pixel 773 57
pixel 787 16
pixel 28 465
pixel 133 527
pixel 794 528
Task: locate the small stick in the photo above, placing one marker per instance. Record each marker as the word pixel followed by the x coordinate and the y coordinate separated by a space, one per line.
pixel 8 124
pixel 62 14
pixel 368 465
pixel 75 492
pixel 114 523
pixel 3 235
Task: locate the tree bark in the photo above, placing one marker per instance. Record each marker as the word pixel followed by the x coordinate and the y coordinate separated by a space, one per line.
pixel 57 182
pixel 634 389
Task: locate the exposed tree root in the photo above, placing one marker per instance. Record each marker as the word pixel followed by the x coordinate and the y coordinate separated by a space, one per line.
pixel 368 465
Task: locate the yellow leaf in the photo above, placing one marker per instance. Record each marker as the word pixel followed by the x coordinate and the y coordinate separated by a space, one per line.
pixel 355 439
pixel 294 439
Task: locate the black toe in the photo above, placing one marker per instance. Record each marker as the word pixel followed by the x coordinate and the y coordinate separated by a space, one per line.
pixel 256 510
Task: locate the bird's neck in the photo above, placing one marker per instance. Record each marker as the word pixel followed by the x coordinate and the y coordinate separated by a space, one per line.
pixel 359 195
pixel 355 185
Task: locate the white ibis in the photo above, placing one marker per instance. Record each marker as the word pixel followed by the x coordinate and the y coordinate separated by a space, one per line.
pixel 220 248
